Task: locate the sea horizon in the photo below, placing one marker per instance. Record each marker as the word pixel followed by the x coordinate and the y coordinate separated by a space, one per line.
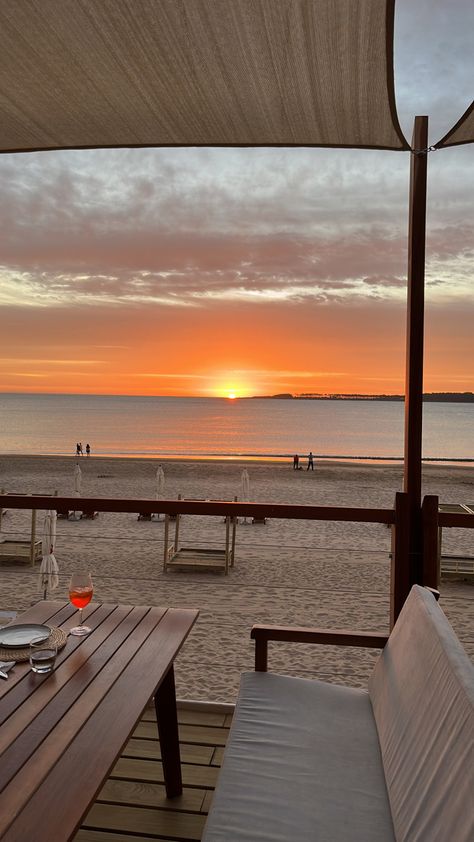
pixel 222 428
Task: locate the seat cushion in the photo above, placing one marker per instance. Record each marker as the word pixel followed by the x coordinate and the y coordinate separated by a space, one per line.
pixel 302 763
pixel 422 691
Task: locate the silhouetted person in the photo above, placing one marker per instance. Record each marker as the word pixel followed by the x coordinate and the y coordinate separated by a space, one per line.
pixel 78 449
pixel 88 449
pixel 296 462
pixel 310 461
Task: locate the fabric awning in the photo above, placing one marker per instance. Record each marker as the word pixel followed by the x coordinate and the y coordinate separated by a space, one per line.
pixel 462 132
pixel 99 73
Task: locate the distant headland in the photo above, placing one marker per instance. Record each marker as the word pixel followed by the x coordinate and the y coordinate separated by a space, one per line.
pixel 433 397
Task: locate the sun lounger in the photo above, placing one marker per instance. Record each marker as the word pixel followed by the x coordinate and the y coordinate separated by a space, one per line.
pixel 63 514
pixel 89 514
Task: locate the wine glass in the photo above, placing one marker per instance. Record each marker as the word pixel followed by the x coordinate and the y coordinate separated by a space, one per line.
pixel 80 594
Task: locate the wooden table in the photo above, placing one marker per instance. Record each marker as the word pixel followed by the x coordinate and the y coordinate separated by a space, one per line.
pixel 61 733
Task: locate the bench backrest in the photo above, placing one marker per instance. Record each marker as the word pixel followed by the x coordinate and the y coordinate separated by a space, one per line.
pixel 422 693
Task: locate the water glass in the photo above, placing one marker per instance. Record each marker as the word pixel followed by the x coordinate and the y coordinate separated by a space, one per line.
pixel 42 656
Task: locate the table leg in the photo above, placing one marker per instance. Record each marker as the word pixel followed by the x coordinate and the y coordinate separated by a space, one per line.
pixel 167 718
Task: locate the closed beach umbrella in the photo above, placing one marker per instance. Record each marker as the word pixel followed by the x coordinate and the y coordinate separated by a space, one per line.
pixel 77 481
pixel 49 567
pixel 245 488
pixel 77 486
pixel 160 483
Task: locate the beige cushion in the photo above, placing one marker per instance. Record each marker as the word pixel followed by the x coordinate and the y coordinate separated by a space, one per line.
pixel 422 692
pixel 302 764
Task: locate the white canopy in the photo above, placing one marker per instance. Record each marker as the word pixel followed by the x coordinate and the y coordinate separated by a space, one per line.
pixel 100 73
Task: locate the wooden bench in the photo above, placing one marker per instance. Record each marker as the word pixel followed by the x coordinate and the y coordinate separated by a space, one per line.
pixel 309 760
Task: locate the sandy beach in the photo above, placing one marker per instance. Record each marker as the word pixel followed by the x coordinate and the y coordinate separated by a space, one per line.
pixel 292 572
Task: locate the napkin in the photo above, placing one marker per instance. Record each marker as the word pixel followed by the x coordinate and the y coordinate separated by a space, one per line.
pixel 6 665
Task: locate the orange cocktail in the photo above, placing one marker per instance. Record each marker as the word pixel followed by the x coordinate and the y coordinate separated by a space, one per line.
pixel 80 594
pixel 80 597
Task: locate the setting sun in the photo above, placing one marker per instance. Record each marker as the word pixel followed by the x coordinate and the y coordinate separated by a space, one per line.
pixel 232 396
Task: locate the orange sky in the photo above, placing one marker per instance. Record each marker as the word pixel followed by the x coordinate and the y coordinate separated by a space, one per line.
pixel 258 271
pixel 239 348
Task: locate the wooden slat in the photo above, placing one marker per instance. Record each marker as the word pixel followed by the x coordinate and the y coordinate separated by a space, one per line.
pixel 190 717
pixel 29 726
pixel 206 804
pixel 218 756
pixel 87 724
pixel 187 733
pixel 134 786
pixel 142 794
pixel 108 619
pixel 150 750
pixel 103 836
pixel 208 507
pixel 143 770
pixel 41 613
pixel 164 822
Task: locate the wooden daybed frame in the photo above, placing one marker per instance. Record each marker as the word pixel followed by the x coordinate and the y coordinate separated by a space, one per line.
pixel 176 557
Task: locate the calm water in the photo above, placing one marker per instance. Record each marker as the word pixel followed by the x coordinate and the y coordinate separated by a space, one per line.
pixel 149 426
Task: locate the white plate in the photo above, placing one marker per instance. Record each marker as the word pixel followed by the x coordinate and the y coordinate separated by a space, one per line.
pixel 16 637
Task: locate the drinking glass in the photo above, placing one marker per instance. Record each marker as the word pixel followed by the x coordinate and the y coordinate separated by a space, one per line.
pixel 42 656
pixel 80 594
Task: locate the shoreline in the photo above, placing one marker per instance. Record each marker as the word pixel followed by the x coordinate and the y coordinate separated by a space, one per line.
pixel 251 458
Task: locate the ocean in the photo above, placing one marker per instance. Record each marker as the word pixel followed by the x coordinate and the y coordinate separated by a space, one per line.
pixel 217 427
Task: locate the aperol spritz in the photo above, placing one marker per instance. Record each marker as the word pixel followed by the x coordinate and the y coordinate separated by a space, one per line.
pixel 80 594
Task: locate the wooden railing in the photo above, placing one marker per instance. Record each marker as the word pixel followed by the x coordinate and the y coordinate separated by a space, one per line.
pixel 404 569
pixel 433 521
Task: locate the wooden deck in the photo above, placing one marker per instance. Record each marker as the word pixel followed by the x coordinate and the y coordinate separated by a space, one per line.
pixel 132 806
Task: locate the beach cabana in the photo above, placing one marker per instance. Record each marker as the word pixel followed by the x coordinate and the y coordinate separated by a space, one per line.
pixel 19 549
pixel 177 556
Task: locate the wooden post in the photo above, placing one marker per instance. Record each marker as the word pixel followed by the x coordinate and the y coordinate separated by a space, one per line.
pixel 227 541
pixel 234 526
pixel 176 529
pixel 261 655
pixel 33 536
pixel 400 571
pixel 431 572
pixel 414 344
pixel 165 553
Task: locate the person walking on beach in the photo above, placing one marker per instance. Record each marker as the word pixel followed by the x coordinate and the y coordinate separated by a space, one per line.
pixel 80 452
pixel 78 449
pixel 310 461
pixel 296 462
pixel 88 449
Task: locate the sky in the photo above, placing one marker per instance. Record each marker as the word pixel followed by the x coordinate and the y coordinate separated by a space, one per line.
pixel 245 271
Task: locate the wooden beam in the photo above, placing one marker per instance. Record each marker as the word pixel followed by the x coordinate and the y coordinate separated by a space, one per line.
pixel 431 542
pixel 400 569
pixel 414 343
